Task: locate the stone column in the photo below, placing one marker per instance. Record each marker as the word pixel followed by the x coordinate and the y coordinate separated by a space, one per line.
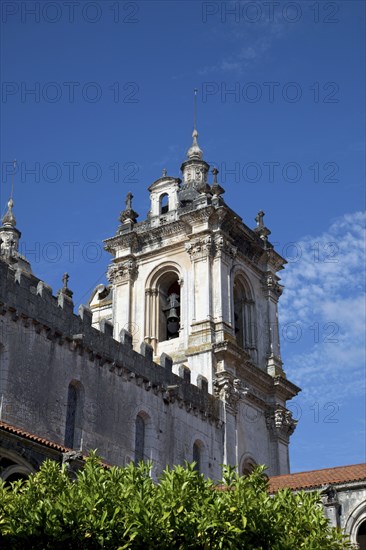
pixel 147 330
pixel 280 426
pixel 222 286
pixel 200 251
pixel 226 389
pixel 154 322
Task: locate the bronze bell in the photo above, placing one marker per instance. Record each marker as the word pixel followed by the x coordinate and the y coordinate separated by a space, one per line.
pixel 172 315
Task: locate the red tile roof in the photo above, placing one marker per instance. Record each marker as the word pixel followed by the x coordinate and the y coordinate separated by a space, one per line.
pixel 22 433
pixel 318 478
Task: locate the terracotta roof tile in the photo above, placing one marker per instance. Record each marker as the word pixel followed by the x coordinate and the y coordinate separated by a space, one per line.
pixel 318 478
pixel 32 437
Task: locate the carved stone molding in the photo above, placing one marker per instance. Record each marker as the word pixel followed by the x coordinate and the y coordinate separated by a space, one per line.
pixel 123 241
pixel 200 248
pixel 270 285
pixel 223 246
pixel 280 421
pixel 275 260
pixel 229 389
pixel 122 272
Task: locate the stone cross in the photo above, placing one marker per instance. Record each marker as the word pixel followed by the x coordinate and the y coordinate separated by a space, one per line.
pixel 65 280
pixel 259 219
pixel 129 198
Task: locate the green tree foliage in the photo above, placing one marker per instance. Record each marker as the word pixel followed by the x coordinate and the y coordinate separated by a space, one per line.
pixel 122 508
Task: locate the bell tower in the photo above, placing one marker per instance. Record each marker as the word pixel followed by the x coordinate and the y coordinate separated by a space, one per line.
pixel 9 238
pixel 193 281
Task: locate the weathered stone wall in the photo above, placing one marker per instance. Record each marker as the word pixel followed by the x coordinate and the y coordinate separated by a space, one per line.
pixel 45 346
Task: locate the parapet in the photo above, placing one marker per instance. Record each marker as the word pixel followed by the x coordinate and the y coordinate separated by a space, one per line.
pixel 27 298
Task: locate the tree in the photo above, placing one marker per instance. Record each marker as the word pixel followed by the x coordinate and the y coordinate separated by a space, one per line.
pixel 122 508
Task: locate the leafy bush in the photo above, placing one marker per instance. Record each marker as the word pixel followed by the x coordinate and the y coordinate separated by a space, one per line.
pixel 122 508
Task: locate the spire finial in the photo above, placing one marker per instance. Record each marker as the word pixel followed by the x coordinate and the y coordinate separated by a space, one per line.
pixel 65 287
pixel 128 215
pixel 259 219
pixel 194 152
pixel 65 280
pixel 261 229
pixel 8 219
pixel 195 109
pixel 128 200
pixel 216 188
pixel 12 178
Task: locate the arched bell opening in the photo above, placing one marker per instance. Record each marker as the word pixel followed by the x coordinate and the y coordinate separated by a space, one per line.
pixel 244 316
pixel 163 305
pixel 169 307
pixel 164 203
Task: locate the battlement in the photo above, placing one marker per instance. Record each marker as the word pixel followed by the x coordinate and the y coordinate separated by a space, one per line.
pixel 28 300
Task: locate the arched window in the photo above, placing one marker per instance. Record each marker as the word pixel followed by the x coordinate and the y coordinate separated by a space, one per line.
pixel 244 316
pixel 13 467
pixel 139 438
pixel 163 306
pixel 164 203
pixel 73 430
pixel 248 466
pixel 197 456
pixel 361 536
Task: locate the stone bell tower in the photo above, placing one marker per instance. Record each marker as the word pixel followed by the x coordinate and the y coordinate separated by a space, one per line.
pixel 193 281
pixel 9 241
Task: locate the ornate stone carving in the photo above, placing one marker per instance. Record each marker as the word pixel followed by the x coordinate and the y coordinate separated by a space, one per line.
pixel 128 215
pixel 223 246
pixel 270 284
pixel 261 229
pixel 280 421
pixel 122 272
pixel 200 248
pixel 229 389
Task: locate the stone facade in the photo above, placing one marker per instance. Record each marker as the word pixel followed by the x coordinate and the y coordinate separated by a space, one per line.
pixel 177 358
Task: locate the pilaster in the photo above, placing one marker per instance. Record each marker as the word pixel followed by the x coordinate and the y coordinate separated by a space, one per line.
pixel 122 274
pixel 280 426
pixel 272 291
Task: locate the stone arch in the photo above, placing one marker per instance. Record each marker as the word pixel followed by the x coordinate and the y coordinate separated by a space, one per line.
pixel 74 415
pixel 163 304
pixel 361 535
pixel 247 464
pixel 13 466
pixel 244 313
pixel 143 436
pixel 164 205
pixel 355 522
pixel 197 454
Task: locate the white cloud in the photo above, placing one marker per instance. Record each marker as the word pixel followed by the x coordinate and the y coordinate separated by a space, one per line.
pixel 252 34
pixel 325 296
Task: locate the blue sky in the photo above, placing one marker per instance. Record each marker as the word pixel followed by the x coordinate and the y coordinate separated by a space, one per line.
pixel 280 112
